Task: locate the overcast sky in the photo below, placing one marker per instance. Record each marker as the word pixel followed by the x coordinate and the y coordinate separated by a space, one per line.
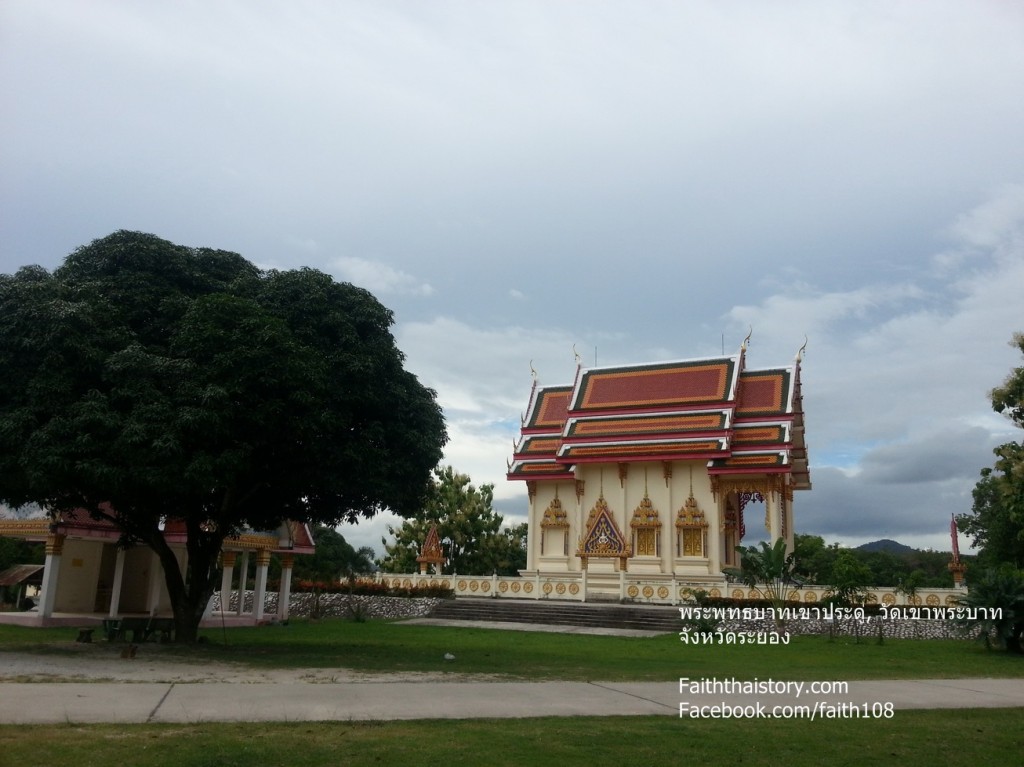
pixel 645 180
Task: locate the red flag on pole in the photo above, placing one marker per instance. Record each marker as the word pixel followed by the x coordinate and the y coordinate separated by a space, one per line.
pixel 953 537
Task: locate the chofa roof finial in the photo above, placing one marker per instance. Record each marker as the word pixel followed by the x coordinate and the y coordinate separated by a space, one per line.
pixel 801 350
pixel 746 341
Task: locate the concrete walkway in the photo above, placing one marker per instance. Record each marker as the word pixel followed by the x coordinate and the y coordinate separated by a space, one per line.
pixel 396 697
pixel 51 703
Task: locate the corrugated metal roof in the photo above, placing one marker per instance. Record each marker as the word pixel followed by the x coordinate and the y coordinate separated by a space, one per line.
pixel 12 576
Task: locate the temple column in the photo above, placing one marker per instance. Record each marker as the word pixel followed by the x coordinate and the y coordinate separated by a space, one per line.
pixel 787 525
pixel 622 514
pixel 284 595
pixel 260 590
pixel 668 530
pixel 156 575
pixel 713 540
pixel 51 572
pixel 532 546
pixel 243 583
pixel 771 506
pixel 115 590
pixel 227 561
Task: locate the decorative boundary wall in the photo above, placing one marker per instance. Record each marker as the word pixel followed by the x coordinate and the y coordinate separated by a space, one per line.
pixel 640 589
pixel 349 606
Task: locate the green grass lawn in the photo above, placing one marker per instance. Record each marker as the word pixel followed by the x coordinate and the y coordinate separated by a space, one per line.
pixel 990 737
pixel 910 738
pixel 380 646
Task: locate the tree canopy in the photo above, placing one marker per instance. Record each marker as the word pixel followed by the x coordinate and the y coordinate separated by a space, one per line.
pixel 996 521
pixel 475 543
pixel 816 563
pixel 144 381
pixel 850 579
pixel 334 559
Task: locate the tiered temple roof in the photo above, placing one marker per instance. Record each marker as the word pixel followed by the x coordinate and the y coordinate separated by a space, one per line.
pixel 740 421
pixel 294 537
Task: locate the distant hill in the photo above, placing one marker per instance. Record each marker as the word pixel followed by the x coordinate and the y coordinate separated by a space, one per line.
pixel 885 544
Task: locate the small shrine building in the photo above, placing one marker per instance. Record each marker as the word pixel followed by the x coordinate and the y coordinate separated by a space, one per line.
pixel 87 574
pixel 653 468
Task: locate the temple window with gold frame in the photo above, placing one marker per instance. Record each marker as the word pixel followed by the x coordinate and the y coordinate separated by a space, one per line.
pixel 691 530
pixel 554 524
pixel 646 528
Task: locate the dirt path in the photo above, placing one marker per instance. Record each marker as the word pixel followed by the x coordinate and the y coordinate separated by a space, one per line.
pixel 103 663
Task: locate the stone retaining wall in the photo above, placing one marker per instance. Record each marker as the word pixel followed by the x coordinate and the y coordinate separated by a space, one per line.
pixel 867 629
pixel 305 605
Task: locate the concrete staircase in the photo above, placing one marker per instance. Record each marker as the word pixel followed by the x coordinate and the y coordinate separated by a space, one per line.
pixel 648 617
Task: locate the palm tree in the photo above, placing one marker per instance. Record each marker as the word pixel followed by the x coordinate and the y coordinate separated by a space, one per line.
pixel 997 596
pixel 769 570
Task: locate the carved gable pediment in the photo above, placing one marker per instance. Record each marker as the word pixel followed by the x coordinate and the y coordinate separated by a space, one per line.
pixel 603 537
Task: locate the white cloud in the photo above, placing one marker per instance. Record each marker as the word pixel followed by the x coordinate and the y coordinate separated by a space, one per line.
pixel 479 370
pixel 379 278
pixel 995 224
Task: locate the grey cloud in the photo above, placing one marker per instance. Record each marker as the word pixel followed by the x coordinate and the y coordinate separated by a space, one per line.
pixel 650 183
pixel 942 456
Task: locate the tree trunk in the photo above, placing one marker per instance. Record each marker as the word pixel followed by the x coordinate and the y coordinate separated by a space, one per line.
pixel 1015 642
pixel 190 591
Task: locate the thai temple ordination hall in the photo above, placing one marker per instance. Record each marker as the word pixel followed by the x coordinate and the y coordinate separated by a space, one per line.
pixel 658 469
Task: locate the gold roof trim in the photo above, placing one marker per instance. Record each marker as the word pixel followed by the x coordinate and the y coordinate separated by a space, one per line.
pixel 772 485
pixel 19 527
pixel 252 542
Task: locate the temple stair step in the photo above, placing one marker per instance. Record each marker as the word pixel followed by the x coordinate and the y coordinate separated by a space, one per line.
pixel 551 612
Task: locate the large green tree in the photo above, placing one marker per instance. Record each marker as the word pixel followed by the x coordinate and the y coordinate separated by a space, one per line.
pixel 848 584
pixel 996 521
pixel 475 543
pixel 145 381
pixel 334 559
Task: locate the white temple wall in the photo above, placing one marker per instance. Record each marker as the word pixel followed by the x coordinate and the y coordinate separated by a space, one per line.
pixel 135 587
pixel 624 492
pixel 79 574
pixel 551 554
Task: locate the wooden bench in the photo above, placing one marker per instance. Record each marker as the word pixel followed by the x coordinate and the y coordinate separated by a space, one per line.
pixel 142 629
